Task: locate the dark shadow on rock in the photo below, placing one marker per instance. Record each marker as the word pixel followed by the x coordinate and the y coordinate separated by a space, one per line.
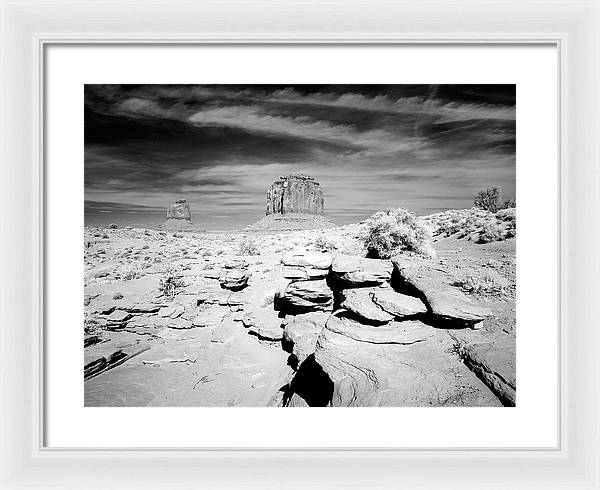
pixel 312 384
pixel 446 323
pixel 292 361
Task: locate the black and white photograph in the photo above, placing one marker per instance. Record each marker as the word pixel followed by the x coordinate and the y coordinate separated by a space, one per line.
pixel 300 245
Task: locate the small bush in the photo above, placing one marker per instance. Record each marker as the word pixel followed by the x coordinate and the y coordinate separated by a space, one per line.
pixel 394 231
pixel 248 247
pixel 170 282
pixel 113 226
pixel 487 285
pixel 509 203
pixel 131 272
pixel 91 325
pixel 490 232
pixel 324 244
pixel 488 199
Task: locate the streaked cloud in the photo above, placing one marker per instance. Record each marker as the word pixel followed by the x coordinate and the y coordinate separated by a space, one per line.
pixel 370 147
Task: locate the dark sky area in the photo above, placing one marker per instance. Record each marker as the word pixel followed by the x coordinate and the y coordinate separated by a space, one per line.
pixel 423 147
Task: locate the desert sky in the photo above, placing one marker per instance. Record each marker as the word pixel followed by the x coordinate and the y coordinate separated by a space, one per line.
pixel 426 148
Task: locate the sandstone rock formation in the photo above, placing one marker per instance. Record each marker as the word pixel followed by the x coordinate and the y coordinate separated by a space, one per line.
pixel 448 306
pixel 179 216
pixel 235 275
pixel 295 193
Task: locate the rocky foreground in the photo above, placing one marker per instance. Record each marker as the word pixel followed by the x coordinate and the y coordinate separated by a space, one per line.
pixel 300 318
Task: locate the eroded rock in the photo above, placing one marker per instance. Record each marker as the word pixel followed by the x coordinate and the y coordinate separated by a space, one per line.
pixel 448 305
pixel 179 216
pixel 355 271
pixel 301 332
pixel 308 295
pixel 369 370
pixel 305 265
pixel 396 304
pixel 360 302
pixel 264 322
pixel 295 193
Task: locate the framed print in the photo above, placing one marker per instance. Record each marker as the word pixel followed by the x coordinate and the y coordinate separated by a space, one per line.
pixel 246 247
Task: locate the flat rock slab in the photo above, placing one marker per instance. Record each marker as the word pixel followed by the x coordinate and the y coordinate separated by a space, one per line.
pixel 308 295
pixel 355 271
pixel 299 273
pixel 400 333
pixel 172 311
pixel 448 305
pixel 118 316
pixel 210 317
pixel 359 302
pixel 305 258
pixel 424 373
pixel 144 307
pixel 264 322
pixel 302 332
pixel 396 304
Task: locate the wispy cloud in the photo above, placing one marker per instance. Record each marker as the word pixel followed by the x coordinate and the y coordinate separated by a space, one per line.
pixel 253 119
pixel 370 147
pixel 444 112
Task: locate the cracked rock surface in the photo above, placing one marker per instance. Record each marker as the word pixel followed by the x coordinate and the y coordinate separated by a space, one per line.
pixel 294 325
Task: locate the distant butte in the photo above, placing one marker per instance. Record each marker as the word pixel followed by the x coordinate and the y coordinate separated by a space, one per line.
pixel 295 193
pixel 294 202
pixel 179 216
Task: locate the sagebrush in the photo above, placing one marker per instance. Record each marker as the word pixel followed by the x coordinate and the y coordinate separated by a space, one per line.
pixel 170 282
pixel 395 231
pixel 486 284
pixel 248 247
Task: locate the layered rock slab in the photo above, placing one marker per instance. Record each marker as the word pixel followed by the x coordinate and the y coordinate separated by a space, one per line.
pixel 360 302
pixel 308 296
pixel 355 271
pixel 396 304
pixel 448 306
pixel 305 265
pixel 401 364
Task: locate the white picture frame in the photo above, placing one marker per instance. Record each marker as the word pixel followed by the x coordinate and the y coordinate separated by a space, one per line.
pixel 572 26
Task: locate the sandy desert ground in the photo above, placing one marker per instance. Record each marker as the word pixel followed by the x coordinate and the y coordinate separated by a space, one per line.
pixel 256 318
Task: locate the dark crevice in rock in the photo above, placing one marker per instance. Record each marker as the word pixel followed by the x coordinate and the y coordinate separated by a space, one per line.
pixel 311 384
pixel 479 370
pixel 400 285
pixel 353 316
pixel 446 323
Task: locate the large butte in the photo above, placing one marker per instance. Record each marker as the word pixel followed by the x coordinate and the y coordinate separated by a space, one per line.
pixel 294 202
pixel 179 216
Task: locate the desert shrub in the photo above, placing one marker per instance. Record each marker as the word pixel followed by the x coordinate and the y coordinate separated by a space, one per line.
pixel 91 325
pixel 131 272
pixel 248 247
pixel 509 203
pixel 509 214
pixel 113 226
pixel 324 244
pixel 486 285
pixel 490 232
pixel 394 231
pixel 488 199
pixel 170 282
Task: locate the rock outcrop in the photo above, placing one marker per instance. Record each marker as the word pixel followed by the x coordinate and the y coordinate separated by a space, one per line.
pixel 295 193
pixel 448 306
pixel 179 216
